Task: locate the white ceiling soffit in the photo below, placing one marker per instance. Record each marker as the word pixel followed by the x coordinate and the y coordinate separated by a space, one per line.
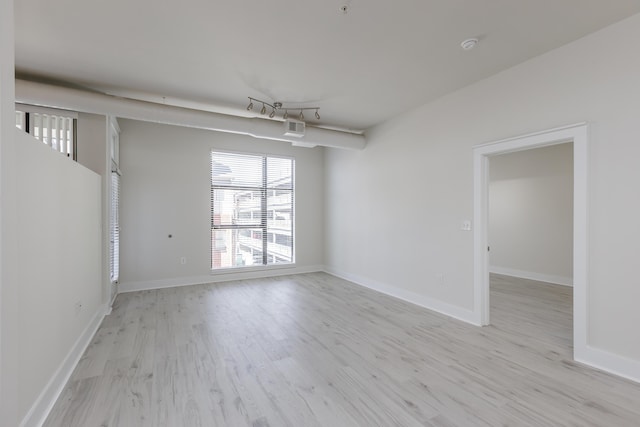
pixel 44 95
pixel 376 61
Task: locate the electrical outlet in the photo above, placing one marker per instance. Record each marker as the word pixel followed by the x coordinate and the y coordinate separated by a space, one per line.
pixel 466 225
pixel 440 278
pixel 183 260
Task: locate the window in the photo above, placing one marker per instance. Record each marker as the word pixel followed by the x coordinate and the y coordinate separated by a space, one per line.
pixel 21 120
pixel 114 205
pixel 251 210
pixel 114 227
pixel 55 128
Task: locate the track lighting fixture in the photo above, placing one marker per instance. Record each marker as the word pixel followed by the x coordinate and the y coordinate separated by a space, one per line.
pixel 276 106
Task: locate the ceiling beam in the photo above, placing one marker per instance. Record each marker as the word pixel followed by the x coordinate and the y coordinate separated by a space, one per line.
pixel 46 95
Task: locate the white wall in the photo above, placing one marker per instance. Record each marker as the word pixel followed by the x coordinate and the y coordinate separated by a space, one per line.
pixel 531 214
pixel 395 208
pixel 93 152
pixel 92 142
pixel 8 285
pixel 166 190
pixel 59 264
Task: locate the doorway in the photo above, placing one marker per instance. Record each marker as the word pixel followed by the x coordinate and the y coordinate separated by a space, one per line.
pixel 577 134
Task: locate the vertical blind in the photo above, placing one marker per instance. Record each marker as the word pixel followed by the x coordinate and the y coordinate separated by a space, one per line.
pixel 55 130
pixel 114 228
pixel 251 210
pixel 21 118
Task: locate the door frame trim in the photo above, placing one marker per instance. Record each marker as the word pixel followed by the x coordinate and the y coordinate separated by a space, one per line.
pixel 578 135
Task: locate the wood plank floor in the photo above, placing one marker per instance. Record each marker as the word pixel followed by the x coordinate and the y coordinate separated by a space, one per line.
pixel 314 350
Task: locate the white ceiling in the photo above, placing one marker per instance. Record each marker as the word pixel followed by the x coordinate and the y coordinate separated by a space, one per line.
pixel 378 60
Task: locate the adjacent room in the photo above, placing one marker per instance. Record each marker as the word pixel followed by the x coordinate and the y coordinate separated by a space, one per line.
pixel 338 213
pixel 531 244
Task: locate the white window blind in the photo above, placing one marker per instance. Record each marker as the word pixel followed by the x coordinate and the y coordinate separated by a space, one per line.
pixel 55 131
pixel 251 210
pixel 55 128
pixel 114 227
pixel 21 120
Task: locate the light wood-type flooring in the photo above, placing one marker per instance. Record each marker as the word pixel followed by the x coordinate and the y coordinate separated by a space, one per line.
pixel 314 350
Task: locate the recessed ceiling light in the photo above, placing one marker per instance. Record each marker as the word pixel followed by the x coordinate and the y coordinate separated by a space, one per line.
pixel 469 44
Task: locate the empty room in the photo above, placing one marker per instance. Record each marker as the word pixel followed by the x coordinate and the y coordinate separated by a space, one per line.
pixel 338 213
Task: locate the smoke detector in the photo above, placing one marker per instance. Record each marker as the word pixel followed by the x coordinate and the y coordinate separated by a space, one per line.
pixel 469 44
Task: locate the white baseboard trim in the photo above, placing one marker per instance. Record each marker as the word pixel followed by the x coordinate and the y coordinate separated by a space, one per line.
pixel 44 403
pixel 456 312
pixel 548 278
pixel 124 287
pixel 110 306
pixel 611 363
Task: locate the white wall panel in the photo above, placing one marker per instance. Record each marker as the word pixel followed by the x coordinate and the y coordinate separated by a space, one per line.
pixel 166 190
pixel 394 209
pixel 531 214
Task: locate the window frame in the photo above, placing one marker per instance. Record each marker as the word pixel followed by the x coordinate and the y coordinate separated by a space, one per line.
pixel 114 225
pixel 115 195
pixel 263 227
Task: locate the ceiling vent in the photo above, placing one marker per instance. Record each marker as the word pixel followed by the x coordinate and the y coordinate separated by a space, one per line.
pixel 294 128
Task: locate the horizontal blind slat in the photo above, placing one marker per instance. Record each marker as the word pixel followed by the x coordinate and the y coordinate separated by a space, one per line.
pixel 251 210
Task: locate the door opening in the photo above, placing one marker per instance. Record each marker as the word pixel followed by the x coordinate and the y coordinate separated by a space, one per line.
pixel 531 239
pixel 578 135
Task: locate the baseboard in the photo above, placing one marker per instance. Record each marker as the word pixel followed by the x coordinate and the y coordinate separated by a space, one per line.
pixel 459 313
pixel 548 278
pixel 611 363
pixel 110 306
pixel 47 398
pixel 124 287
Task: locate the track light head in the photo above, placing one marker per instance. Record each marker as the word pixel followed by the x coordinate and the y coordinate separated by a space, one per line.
pixel 277 106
